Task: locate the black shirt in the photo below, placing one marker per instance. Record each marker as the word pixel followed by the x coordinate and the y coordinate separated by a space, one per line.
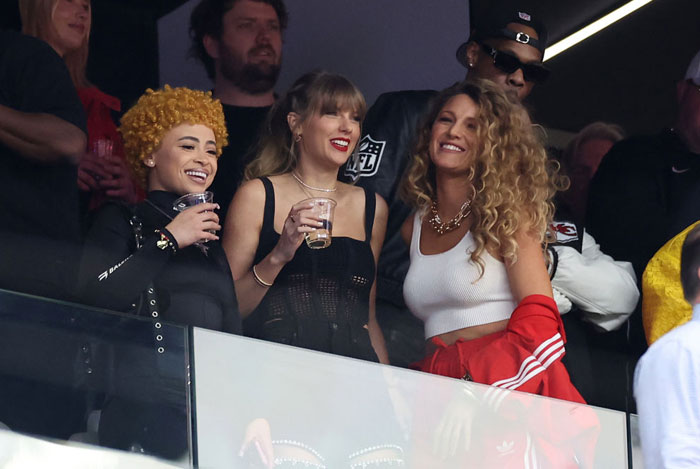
pixel 639 197
pixel 39 201
pixel 192 288
pixel 243 125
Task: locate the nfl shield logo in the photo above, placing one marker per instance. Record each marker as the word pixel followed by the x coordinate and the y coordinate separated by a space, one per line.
pixel 365 161
pixel 524 16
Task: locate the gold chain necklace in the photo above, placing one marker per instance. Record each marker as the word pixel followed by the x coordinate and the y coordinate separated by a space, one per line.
pixel 319 189
pixel 441 228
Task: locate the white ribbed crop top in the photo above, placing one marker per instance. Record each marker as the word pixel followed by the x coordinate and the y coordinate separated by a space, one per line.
pixel 442 289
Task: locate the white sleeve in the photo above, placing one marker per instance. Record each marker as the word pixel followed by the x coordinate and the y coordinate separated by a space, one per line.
pixel 603 288
pixel 666 392
pixel 563 303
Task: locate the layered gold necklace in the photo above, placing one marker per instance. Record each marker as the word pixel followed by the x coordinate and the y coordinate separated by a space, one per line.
pixel 455 222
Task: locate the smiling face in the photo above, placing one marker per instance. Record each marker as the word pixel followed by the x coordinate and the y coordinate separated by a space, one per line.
pixel 185 160
pixel 329 137
pixel 453 135
pixel 71 25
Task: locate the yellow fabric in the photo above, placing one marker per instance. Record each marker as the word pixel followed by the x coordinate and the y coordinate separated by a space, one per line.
pixel 663 305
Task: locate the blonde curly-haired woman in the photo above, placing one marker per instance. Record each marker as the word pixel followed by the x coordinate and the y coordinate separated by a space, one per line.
pixel 482 187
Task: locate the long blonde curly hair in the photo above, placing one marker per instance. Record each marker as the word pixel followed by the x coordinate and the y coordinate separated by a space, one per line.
pixel 512 178
pixel 156 112
pixel 314 92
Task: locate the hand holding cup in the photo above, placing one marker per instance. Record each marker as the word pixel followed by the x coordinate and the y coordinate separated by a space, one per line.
pixel 302 219
pixel 195 224
pixel 321 236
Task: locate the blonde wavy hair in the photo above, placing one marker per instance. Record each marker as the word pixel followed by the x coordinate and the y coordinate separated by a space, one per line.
pixel 512 178
pixel 315 92
pixel 37 20
pixel 156 112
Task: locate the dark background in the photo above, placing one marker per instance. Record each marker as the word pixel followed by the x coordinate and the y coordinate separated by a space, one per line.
pixel 625 74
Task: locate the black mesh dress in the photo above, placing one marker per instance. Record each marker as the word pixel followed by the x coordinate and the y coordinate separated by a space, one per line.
pixel 320 299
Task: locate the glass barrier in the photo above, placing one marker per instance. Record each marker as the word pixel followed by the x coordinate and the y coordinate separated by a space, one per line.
pixel 73 372
pixel 260 404
pixel 635 442
pixel 21 451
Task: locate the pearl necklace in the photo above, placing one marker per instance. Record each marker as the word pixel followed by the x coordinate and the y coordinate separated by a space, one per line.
pixel 441 228
pixel 319 189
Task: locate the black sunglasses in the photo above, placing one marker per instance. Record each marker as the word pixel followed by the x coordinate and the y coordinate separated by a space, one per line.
pixel 508 63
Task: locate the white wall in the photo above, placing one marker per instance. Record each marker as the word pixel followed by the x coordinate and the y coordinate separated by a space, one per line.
pixel 381 45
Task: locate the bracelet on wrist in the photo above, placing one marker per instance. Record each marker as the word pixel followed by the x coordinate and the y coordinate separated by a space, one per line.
pixel 259 280
pixel 165 241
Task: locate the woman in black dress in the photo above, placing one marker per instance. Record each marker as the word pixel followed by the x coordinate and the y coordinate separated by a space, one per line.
pixel 320 299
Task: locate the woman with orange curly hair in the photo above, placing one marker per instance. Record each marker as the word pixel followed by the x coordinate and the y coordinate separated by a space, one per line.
pixel 482 190
pixel 172 139
pixel 154 261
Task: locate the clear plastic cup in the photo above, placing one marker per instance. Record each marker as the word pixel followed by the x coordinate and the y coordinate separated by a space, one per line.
pixel 320 237
pixel 192 199
pixel 102 147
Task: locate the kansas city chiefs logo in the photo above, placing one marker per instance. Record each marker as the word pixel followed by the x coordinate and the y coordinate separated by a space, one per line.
pixel 365 161
pixel 566 232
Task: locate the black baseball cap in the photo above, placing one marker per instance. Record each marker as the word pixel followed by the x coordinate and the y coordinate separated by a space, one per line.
pixel 493 24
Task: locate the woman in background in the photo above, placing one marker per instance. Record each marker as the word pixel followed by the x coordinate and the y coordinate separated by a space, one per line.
pixel 103 172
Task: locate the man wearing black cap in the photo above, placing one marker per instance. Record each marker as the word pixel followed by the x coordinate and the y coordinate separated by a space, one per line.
pixel 506 46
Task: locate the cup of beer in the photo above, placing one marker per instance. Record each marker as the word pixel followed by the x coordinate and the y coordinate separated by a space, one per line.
pixel 323 209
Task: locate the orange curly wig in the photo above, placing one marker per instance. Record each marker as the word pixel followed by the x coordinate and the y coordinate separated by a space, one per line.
pixel 156 112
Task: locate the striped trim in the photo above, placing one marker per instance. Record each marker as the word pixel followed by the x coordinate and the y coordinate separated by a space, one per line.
pixel 530 455
pixel 543 356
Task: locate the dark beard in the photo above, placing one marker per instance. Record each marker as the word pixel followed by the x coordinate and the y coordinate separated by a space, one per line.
pixel 256 78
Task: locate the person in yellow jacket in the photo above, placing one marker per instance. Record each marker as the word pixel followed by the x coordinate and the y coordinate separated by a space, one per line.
pixel 663 304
